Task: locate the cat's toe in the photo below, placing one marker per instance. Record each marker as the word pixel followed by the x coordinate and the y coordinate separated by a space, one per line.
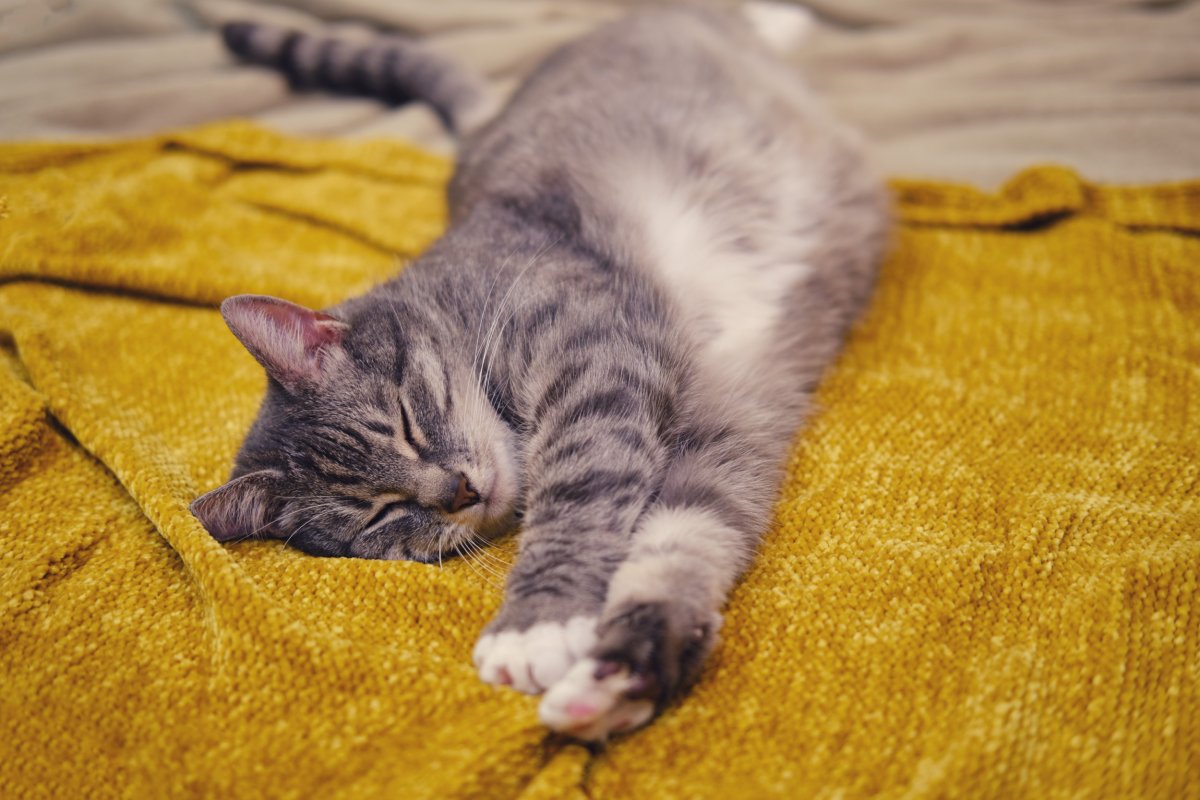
pixel 646 655
pixel 596 699
pixel 532 660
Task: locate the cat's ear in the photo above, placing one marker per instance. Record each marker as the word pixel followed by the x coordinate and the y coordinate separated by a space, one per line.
pixel 238 510
pixel 294 344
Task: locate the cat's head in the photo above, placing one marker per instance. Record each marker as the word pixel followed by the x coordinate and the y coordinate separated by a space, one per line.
pixel 375 438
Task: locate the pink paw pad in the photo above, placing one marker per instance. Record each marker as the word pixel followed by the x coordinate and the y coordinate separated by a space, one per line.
pixel 578 710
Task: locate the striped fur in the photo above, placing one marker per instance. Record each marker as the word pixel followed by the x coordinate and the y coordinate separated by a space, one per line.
pixel 393 69
pixel 655 251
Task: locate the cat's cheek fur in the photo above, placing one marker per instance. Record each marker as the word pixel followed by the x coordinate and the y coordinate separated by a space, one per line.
pixel 533 660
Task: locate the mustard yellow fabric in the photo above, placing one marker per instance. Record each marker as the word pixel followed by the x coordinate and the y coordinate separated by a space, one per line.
pixel 982 581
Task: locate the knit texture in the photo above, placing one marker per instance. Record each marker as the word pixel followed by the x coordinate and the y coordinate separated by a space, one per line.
pixel 981 581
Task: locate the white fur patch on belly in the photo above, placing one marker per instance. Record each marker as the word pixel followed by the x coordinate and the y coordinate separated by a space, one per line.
pixel 732 296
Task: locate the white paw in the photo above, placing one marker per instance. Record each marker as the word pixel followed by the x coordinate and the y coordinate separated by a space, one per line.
pixel 533 660
pixel 589 702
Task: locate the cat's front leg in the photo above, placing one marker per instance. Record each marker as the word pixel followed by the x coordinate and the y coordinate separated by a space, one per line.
pixel 595 462
pixel 553 598
pixel 658 627
pixel 662 612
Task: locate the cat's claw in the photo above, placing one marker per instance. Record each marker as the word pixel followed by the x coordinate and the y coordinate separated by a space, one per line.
pixel 535 659
pixel 596 699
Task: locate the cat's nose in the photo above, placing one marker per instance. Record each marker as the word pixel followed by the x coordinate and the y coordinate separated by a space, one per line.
pixel 464 496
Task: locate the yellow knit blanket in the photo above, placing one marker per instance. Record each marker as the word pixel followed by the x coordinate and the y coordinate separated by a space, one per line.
pixel 982 580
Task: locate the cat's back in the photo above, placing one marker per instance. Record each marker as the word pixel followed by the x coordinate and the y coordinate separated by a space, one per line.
pixel 639 85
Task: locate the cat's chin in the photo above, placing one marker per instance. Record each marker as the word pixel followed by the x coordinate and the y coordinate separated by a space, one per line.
pixel 495 527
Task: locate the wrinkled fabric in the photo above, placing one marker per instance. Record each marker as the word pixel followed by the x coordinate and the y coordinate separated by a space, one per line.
pixel 961 91
pixel 981 580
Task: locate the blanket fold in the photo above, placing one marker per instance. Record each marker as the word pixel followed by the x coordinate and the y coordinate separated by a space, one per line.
pixel 981 581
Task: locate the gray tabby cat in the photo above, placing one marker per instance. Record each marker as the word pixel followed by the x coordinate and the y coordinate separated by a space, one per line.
pixel 655 250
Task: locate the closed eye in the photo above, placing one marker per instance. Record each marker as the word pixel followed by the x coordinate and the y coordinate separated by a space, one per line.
pixel 412 432
pixel 383 513
pixel 382 428
pixel 408 428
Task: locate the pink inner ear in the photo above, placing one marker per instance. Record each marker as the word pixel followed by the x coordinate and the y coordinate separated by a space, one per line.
pixel 322 331
pixel 316 328
pixel 287 339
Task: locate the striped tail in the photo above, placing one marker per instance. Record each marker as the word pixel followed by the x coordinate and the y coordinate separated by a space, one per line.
pixel 392 69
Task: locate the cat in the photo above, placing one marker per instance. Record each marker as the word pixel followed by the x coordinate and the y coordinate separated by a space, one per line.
pixel 654 251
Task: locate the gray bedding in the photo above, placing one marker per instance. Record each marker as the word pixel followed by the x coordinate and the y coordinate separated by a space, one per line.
pixel 970 91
